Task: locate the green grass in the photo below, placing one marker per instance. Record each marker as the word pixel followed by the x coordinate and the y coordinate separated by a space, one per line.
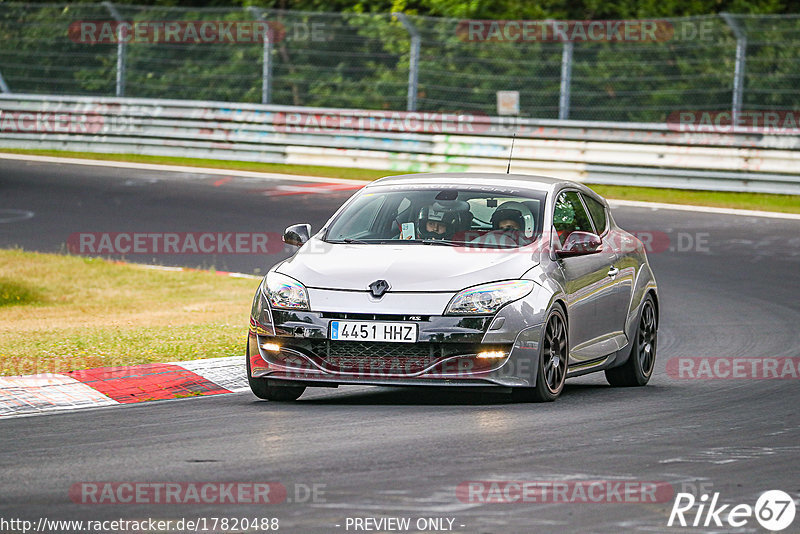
pixel 78 313
pixel 13 293
pixel 751 201
pixel 718 199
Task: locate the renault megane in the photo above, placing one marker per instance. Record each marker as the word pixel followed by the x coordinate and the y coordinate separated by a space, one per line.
pixel 457 279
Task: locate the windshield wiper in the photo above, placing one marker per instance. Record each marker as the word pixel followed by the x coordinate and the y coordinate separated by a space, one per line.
pixel 350 241
pixel 441 242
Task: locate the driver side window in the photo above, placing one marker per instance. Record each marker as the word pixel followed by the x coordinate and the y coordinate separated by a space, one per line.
pixel 364 219
pixel 569 215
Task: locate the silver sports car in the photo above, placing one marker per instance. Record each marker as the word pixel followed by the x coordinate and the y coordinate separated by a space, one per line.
pixel 457 279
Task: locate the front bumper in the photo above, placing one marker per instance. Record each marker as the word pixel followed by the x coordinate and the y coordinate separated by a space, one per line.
pixel 446 352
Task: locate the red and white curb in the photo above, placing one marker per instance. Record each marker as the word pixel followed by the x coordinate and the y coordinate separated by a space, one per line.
pixel 107 386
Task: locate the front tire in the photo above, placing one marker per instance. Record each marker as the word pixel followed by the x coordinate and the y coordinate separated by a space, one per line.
pixel 639 368
pixel 553 357
pixel 264 389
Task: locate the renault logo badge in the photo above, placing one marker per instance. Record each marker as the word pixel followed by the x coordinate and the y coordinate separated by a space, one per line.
pixel 378 288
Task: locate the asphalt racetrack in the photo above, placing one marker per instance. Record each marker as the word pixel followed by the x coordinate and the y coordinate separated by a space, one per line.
pixel 729 287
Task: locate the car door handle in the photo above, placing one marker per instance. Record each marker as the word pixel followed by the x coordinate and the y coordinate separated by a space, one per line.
pixel 613 271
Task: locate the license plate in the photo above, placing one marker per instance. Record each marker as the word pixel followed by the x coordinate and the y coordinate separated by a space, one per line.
pixel 374 331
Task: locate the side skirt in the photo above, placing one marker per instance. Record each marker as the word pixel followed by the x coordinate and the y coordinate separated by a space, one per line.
pixel 590 366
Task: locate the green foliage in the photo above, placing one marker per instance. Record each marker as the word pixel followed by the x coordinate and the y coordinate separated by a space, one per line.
pixel 359 56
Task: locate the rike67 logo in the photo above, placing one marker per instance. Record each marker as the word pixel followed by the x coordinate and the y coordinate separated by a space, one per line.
pixel 774 510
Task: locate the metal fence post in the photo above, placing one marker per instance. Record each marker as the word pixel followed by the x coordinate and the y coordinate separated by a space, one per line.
pixel 566 81
pixel 413 61
pixel 3 86
pixel 741 56
pixel 120 49
pixel 266 59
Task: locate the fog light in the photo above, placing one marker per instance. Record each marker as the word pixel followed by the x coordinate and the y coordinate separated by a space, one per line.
pixel 492 354
pixel 271 347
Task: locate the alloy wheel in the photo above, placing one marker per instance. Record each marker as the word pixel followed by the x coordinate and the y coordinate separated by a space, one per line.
pixel 555 353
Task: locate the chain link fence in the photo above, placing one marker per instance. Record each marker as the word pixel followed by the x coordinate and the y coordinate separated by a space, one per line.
pixel 389 62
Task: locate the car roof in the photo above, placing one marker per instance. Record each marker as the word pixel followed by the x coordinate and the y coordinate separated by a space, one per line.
pixel 523 181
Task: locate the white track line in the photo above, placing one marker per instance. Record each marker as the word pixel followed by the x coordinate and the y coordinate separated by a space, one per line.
pixel 179 168
pixel 189 270
pixel 298 178
pixel 703 209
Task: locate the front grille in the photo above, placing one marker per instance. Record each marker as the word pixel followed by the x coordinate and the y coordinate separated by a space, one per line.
pixel 369 349
pixel 384 358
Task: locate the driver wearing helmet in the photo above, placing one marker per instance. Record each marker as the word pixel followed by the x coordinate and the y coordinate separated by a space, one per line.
pixel 442 219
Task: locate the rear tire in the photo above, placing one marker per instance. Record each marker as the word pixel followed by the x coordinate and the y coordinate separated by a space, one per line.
pixel 639 368
pixel 263 389
pixel 553 357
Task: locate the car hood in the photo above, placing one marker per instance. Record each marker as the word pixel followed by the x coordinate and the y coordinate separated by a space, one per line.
pixel 407 267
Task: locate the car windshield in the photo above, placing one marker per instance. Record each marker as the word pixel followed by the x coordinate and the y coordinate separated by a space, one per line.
pixel 477 217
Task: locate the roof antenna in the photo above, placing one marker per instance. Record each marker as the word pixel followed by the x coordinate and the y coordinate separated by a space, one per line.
pixel 511 153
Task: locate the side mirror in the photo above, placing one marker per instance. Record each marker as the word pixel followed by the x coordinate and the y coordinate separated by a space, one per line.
pixel 297 234
pixel 580 243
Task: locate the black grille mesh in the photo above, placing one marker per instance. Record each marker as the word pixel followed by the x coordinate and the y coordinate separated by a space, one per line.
pixel 385 358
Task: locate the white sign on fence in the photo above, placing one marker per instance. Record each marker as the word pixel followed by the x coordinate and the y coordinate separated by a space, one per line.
pixel 508 102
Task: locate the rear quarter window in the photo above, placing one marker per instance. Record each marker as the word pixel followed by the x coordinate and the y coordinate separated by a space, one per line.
pixel 598 213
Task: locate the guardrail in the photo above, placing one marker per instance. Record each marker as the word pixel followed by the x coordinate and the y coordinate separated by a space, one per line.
pixel 641 154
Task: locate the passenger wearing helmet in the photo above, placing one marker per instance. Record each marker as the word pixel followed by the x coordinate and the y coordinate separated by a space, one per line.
pixel 512 225
pixel 442 219
pixel 507 219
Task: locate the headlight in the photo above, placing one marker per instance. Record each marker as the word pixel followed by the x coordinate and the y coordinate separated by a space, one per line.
pixel 488 298
pixel 284 292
